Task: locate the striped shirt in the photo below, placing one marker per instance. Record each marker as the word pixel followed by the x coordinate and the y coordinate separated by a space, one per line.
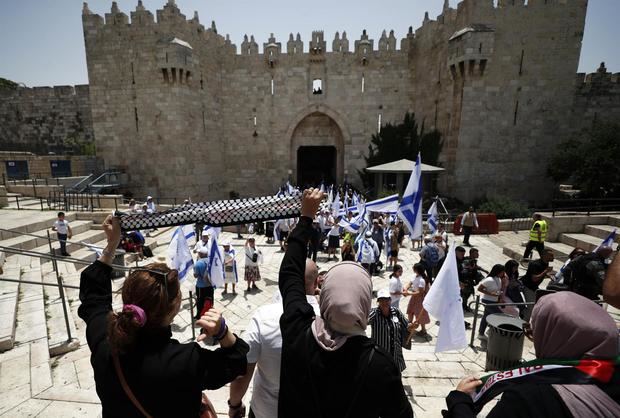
pixel 388 333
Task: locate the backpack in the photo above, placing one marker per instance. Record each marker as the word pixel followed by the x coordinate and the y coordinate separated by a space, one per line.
pixel 579 279
pixel 367 251
pixel 433 255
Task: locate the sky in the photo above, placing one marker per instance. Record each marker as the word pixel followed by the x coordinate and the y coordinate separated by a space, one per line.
pixel 43 43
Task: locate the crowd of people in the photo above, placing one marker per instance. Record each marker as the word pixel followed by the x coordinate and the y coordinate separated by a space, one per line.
pixel 308 351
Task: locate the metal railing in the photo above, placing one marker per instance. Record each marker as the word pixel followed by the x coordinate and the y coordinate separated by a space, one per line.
pixel 585 205
pixel 39 178
pixel 77 186
pixel 48 237
pixel 61 285
pixel 75 202
pixel 25 200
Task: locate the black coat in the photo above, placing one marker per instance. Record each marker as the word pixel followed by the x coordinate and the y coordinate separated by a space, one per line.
pixel 165 376
pixel 317 383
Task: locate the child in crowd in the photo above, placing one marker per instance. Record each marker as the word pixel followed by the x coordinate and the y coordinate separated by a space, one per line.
pixel 417 288
pixel 63 231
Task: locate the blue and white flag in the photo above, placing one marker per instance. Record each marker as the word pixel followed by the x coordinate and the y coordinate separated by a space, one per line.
pixel 215 265
pixel 179 254
pixel 410 209
pixel 432 217
pixel 443 301
pixel 357 223
pixel 385 205
pixel 609 241
pixel 190 234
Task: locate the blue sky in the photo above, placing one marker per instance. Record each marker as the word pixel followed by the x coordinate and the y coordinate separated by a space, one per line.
pixel 43 43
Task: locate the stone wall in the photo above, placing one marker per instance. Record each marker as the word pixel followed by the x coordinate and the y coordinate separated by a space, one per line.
pixel 39 166
pixel 187 115
pixel 597 99
pixel 46 119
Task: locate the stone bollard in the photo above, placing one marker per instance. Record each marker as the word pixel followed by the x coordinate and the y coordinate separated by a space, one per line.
pixel 4 200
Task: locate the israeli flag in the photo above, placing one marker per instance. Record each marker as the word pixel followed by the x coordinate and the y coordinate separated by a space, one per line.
pixel 410 209
pixel 357 223
pixel 432 217
pixel 190 234
pixel 179 254
pixel 215 265
pixel 609 241
pixel 387 204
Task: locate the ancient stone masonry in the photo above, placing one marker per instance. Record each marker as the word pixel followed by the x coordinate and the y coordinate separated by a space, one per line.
pixel 46 119
pixel 597 98
pixel 187 113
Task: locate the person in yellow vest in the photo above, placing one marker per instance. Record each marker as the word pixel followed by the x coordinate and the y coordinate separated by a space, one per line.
pixel 538 235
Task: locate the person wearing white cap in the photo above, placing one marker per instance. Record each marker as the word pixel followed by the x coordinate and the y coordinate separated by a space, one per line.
pixel 203 243
pixel 388 326
pixel 367 252
pixel 150 204
pixel 230 268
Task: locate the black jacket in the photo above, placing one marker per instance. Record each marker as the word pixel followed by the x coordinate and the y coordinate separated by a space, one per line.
pixel 317 383
pixel 165 376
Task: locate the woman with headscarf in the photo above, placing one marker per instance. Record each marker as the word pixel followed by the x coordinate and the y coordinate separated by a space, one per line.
pixel 576 374
pixel 139 369
pixel 329 367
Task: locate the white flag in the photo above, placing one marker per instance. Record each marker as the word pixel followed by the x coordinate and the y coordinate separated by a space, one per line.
pixel 336 205
pixel 432 217
pixel 410 209
pixel 179 254
pixel 216 262
pixel 444 302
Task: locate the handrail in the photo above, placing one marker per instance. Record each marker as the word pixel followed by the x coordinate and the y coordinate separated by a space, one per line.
pixel 75 186
pixel 46 256
pixel 83 244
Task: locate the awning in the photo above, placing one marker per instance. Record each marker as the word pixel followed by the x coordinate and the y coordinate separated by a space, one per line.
pixel 403 166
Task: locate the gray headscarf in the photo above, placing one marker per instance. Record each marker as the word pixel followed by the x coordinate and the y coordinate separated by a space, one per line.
pixel 585 330
pixel 345 302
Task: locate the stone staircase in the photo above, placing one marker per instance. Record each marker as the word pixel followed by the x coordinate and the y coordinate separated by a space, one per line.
pixel 579 231
pixel 22 302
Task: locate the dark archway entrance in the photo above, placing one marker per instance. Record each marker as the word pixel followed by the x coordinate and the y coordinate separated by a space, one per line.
pixel 316 164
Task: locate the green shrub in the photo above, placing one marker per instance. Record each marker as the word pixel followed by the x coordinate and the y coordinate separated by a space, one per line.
pixel 503 207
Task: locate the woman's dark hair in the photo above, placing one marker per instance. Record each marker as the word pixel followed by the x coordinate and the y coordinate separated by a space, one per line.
pixel 154 289
pixel 396 268
pixel 576 252
pixel 510 266
pixel 419 269
pixel 496 270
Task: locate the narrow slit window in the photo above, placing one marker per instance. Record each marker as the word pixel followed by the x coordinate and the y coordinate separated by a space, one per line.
pixel 514 122
pixel 521 62
pixel 317 86
pixel 254 120
pixel 202 86
pixel 379 122
pixel 363 83
pixel 164 71
pixel 133 77
pixel 174 75
pixel 272 87
pixel 135 114
pixel 187 76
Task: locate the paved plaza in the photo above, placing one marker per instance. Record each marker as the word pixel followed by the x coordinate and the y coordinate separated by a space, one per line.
pixel 32 384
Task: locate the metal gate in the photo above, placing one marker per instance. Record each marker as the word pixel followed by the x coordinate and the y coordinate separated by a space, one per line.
pixel 17 169
pixel 61 168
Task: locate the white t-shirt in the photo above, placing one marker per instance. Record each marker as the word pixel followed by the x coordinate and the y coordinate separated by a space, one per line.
pixel 418 283
pixel 491 285
pixel 61 226
pixel 335 231
pixel 396 286
pixel 264 337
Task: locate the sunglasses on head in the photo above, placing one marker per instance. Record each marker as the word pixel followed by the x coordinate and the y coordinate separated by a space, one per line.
pixel 160 276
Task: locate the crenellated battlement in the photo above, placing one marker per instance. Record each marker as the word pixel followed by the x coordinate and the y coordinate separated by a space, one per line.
pixel 46 92
pixel 601 78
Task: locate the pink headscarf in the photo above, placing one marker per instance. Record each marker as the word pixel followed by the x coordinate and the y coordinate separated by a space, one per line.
pixel 345 303
pixel 569 326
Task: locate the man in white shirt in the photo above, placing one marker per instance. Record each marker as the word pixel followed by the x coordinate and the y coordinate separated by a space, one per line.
pixel 204 242
pixel 367 253
pixel 150 204
pixel 265 340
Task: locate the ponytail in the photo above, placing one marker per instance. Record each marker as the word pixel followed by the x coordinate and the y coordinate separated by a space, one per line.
pixel 122 331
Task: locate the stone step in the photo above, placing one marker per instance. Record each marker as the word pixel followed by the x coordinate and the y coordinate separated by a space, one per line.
pixel 560 250
pixel 57 337
pixel 32 227
pixel 27 242
pixel 585 241
pixel 602 231
pixel 9 293
pixel 614 220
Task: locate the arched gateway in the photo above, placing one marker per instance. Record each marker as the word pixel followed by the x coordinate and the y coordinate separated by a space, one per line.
pixel 317 137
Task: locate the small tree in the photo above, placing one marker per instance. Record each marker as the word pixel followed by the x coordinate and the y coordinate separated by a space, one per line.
pixel 7 84
pixel 590 161
pixel 404 140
